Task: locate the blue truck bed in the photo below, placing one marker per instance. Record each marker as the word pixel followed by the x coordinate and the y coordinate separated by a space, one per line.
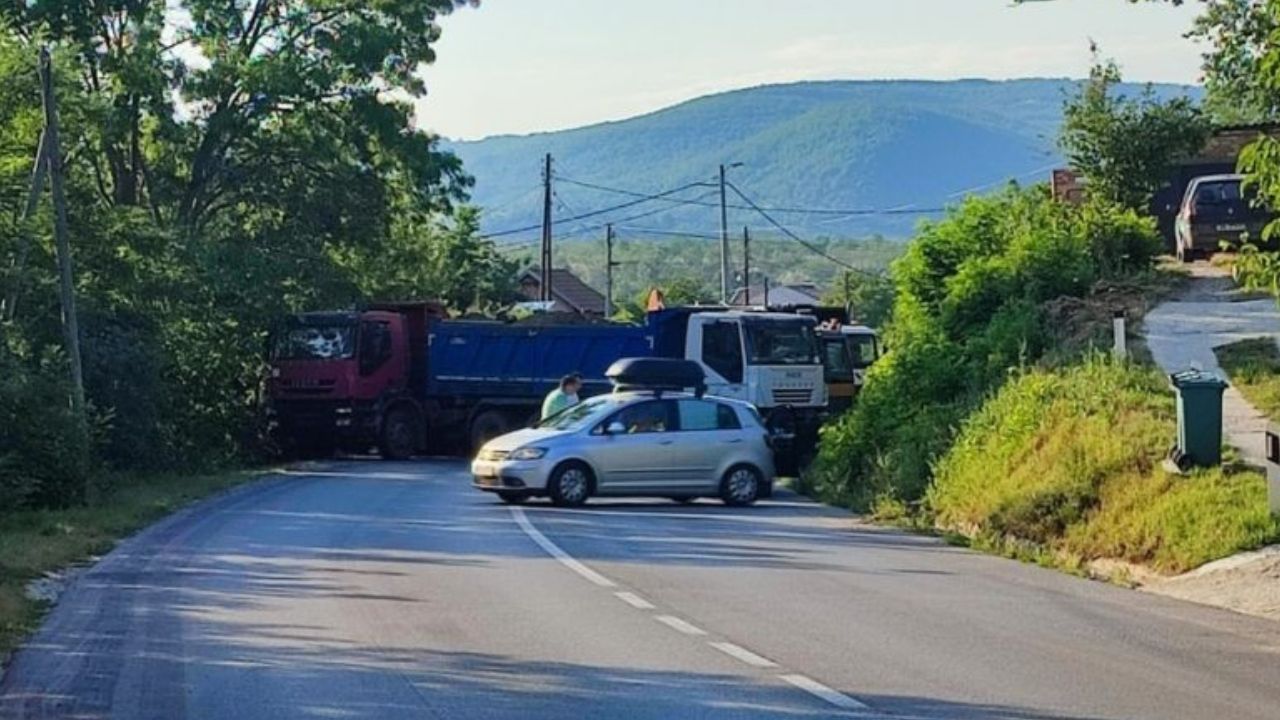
pixel 489 359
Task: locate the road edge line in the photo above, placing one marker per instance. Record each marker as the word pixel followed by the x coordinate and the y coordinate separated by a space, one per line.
pixel 818 690
pixel 554 551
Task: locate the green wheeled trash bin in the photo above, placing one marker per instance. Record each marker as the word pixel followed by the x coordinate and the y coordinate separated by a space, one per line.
pixel 1199 418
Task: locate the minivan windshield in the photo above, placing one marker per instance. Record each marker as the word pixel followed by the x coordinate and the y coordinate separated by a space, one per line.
pixel 781 342
pixel 581 414
pixel 315 342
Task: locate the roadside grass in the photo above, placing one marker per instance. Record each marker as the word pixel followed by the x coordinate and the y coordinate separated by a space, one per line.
pixel 1254 368
pixel 1062 467
pixel 35 542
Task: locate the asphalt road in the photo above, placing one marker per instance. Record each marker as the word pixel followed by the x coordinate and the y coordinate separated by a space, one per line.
pixel 384 590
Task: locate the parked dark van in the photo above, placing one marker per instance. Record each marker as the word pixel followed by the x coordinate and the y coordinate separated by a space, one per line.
pixel 1216 209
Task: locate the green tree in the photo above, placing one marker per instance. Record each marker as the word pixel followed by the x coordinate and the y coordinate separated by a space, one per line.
pixel 1125 146
pixel 870 297
pixel 226 163
pixel 247 72
pixel 1238 34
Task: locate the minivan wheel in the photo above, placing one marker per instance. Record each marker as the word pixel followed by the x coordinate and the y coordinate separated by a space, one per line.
pixel 570 484
pixel 741 486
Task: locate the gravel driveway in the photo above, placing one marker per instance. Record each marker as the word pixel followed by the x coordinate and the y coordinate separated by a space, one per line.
pixel 1182 334
pixel 1210 312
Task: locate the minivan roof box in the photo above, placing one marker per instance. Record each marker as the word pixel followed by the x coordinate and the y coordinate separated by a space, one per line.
pixel 657 375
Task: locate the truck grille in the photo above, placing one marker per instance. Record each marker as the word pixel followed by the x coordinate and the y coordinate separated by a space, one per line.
pixel 792 396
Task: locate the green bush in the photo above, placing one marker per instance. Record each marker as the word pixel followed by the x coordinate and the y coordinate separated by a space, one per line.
pixel 123 374
pixel 970 297
pixel 44 455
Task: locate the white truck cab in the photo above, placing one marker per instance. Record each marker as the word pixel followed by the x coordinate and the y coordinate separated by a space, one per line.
pixel 771 360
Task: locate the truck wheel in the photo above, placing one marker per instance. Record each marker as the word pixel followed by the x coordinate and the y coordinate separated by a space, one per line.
pixel 399 435
pixel 487 426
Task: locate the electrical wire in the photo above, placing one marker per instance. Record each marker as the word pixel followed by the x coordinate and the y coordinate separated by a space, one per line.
pixel 668 233
pixel 906 210
pixel 786 231
pixel 593 213
pixel 617 223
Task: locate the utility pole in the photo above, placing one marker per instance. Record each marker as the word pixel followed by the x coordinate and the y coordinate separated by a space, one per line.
pixel 746 265
pixel 546 231
pixel 848 298
pixel 10 309
pixel 724 239
pixel 609 265
pixel 66 287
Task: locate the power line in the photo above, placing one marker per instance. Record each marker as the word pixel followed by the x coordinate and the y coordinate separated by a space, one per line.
pixel 588 229
pixel 593 213
pixel 669 233
pixel 794 210
pixel 786 231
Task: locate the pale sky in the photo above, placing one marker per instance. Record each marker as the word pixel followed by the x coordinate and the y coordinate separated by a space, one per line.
pixel 521 66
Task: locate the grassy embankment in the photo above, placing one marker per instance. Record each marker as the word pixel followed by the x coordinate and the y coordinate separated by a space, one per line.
pixel 35 542
pixel 1062 466
pixel 1254 368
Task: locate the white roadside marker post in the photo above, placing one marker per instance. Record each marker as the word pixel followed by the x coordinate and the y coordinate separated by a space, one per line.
pixel 1121 349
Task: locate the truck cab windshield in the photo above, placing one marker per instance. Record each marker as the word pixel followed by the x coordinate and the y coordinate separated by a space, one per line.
pixel 315 342
pixel 839 364
pixel 780 342
pixel 865 350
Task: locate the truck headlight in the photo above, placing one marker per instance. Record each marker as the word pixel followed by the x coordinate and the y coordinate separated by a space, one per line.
pixel 529 453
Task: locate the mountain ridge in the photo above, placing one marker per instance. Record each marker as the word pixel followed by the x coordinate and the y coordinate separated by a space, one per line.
pixel 859 144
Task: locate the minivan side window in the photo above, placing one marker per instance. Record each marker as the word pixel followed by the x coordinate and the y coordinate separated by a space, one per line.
pixel 704 415
pixel 644 418
pixel 722 350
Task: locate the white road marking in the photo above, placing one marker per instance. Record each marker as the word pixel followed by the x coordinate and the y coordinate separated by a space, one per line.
pixel 560 555
pixel 740 653
pixel 634 600
pixel 817 689
pixel 679 625
pixel 807 684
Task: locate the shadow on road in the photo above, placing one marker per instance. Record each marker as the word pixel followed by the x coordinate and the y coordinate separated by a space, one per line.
pixel 291 599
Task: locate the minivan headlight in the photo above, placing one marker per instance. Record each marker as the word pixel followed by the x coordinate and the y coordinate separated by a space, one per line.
pixel 529 453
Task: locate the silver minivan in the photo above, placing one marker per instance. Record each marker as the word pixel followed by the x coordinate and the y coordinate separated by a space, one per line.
pixel 637 443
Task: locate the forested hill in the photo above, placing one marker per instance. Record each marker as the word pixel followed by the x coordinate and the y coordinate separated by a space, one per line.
pixel 854 145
